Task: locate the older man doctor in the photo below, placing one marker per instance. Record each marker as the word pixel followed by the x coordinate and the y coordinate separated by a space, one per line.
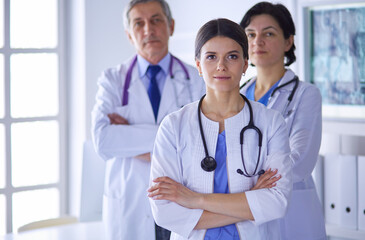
pixel 131 101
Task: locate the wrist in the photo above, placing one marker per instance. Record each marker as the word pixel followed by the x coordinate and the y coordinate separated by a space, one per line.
pixel 201 201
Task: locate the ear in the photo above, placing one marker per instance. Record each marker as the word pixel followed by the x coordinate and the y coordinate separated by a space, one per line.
pixel 172 27
pixel 289 43
pixel 198 66
pixel 245 66
pixel 129 37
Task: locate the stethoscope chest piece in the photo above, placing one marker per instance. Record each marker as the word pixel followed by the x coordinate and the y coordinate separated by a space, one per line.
pixel 209 164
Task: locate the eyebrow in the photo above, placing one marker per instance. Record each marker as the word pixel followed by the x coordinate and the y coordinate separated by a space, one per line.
pixel 153 16
pixel 266 28
pixel 230 52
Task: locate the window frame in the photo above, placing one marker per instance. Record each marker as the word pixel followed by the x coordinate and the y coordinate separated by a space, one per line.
pixel 61 117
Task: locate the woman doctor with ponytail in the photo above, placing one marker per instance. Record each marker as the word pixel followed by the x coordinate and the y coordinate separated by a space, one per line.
pixel 270 31
pixel 220 166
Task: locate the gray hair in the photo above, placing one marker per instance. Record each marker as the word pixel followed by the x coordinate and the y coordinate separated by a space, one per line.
pixel 165 8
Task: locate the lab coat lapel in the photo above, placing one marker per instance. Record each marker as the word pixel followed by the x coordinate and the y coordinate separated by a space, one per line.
pixel 282 93
pixel 173 91
pixel 167 99
pixel 139 99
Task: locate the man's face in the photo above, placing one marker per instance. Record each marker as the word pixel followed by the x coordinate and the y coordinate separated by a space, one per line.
pixel 149 30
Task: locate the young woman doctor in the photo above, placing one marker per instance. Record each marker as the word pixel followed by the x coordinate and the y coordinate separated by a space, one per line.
pixel 270 31
pixel 208 156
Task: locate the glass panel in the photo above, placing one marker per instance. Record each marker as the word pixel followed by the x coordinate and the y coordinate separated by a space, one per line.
pixel 30 206
pixel 33 23
pixel 2 156
pixel 34 85
pixel 2 215
pixel 2 23
pixel 35 153
pixel 2 82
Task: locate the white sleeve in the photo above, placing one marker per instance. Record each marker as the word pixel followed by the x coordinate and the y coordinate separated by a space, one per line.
pixel 305 134
pixel 271 203
pixel 166 162
pixel 117 140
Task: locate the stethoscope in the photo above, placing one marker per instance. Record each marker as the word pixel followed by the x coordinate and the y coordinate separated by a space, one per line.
pixel 209 164
pixel 128 79
pixel 290 98
pixel 294 80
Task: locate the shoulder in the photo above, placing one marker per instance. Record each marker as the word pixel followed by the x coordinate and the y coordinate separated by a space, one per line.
pixel 260 110
pixel 310 91
pixel 116 73
pixel 118 69
pixel 265 118
pixel 182 117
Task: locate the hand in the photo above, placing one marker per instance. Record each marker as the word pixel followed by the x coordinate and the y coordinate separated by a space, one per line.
pixel 167 189
pixel 145 156
pixel 267 180
pixel 117 119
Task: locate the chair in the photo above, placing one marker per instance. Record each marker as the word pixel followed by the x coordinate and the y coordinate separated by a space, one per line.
pixel 48 223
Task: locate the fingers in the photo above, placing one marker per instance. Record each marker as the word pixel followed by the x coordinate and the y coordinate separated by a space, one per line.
pixel 267 180
pixel 117 119
pixel 163 189
pixel 146 157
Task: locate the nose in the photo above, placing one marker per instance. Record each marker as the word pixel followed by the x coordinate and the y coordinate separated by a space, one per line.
pixel 148 28
pixel 221 65
pixel 258 40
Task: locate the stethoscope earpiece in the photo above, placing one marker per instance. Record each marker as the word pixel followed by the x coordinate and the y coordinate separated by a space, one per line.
pixel 209 164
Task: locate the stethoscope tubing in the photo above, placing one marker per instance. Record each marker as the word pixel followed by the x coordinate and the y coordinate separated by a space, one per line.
pixel 209 163
pixel 295 79
pixel 130 70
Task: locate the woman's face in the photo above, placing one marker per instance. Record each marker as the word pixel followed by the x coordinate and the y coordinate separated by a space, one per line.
pixel 221 63
pixel 266 42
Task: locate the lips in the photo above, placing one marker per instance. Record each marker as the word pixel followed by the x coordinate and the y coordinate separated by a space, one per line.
pixel 150 40
pixel 222 77
pixel 258 52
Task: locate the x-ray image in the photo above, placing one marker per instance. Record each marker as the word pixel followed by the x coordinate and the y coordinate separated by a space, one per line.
pixel 338 54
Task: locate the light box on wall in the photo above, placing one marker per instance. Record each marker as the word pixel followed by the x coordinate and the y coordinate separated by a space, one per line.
pixel 333 34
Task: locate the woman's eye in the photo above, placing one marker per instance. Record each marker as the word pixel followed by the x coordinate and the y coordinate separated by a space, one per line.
pixel 210 57
pixel 269 34
pixel 250 35
pixel 233 56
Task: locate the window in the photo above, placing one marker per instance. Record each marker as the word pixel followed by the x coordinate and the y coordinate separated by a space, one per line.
pixel 32 123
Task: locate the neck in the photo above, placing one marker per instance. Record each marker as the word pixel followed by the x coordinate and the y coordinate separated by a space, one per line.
pixel 218 106
pixel 154 58
pixel 268 76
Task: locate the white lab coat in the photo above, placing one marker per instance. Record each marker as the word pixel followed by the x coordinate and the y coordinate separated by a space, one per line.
pixel 178 153
pixel 304 220
pixel 126 210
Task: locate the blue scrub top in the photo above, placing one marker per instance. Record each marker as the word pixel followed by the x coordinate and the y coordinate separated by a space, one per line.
pixel 228 232
pixel 250 93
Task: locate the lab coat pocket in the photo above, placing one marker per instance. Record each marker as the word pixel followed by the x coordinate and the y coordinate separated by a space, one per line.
pixel 304 219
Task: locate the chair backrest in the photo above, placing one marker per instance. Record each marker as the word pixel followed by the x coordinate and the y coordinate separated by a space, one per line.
pixel 48 223
pixel 92 184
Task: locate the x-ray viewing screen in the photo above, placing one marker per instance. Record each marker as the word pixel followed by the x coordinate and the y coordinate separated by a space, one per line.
pixel 338 53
